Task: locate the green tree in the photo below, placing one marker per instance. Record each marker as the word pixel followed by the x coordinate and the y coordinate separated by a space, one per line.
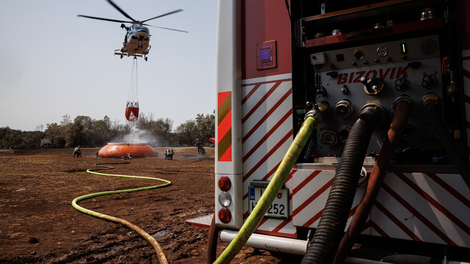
pixel 161 129
pixel 144 122
pixel 13 140
pixel 5 131
pixel 76 133
pixel 53 131
pixel 187 132
pixel 87 130
pixel 32 140
pixel 205 126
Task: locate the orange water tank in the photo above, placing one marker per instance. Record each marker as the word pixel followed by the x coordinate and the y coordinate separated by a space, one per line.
pixel 118 150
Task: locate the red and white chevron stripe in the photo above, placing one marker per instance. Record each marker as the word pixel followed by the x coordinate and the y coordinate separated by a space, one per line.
pixel 267 135
pixel 414 206
pixel 310 192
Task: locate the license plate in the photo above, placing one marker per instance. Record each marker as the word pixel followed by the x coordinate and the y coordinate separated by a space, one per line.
pixel 278 209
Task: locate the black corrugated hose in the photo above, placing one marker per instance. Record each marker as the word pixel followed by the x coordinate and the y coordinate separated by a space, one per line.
pixel 325 241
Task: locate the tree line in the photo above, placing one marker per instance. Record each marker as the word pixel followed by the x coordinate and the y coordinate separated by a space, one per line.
pixel 85 131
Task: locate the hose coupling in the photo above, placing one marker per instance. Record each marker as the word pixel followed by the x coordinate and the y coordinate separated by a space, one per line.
pixel 318 111
pixel 430 98
pixel 378 111
pixel 401 99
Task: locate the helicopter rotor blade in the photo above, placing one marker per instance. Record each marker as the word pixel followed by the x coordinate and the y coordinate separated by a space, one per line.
pixel 166 14
pixel 120 10
pixel 105 19
pixel 165 28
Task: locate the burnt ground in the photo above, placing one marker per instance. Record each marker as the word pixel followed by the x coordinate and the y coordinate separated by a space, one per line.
pixel 39 225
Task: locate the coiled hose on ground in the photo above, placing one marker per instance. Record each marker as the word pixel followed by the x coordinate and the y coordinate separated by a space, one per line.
pixel 399 122
pixel 272 189
pixel 325 241
pixel 161 257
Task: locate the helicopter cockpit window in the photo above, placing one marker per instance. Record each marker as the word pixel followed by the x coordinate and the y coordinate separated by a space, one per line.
pixel 139 27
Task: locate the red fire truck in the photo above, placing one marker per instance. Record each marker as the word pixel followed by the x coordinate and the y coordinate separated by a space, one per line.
pixel 387 84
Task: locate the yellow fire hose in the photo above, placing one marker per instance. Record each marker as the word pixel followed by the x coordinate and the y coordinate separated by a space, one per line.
pixel 161 257
pixel 272 189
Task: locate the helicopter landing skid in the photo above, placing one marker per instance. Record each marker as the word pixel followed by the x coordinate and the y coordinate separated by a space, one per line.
pixel 123 53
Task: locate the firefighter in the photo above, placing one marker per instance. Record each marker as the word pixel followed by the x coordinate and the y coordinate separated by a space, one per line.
pixel 169 154
pixel 77 152
pixel 128 156
pixel 199 146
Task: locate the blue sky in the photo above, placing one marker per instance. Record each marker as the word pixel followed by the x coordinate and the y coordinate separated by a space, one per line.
pixel 53 63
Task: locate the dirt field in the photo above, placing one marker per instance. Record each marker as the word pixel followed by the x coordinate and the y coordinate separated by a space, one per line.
pixel 39 225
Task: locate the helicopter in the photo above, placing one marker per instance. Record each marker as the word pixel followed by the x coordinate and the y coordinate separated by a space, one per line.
pixel 137 38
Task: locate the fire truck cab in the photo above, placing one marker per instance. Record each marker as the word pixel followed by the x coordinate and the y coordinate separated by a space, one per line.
pixel 279 60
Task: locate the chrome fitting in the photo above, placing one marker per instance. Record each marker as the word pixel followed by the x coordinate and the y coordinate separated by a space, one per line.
pixel 318 111
pixel 430 98
pixel 379 110
pixel 401 99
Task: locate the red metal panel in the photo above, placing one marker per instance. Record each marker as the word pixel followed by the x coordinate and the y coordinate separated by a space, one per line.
pixel 262 21
pixel 464 10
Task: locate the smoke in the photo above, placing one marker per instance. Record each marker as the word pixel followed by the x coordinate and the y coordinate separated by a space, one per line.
pixel 136 136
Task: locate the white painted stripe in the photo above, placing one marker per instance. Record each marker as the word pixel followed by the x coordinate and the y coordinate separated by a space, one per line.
pixel 437 215
pixel 267 126
pixel 272 224
pixel 246 90
pixel 387 225
pixel 430 213
pixel 405 217
pixel 466 65
pixel 256 96
pixel 267 166
pixel 318 204
pixel 434 215
pixel 267 78
pixel 306 192
pixel 257 158
pixel 441 195
pixel 465 53
pixel 266 106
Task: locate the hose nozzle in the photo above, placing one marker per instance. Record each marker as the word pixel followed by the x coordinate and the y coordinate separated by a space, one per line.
pixel 318 112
